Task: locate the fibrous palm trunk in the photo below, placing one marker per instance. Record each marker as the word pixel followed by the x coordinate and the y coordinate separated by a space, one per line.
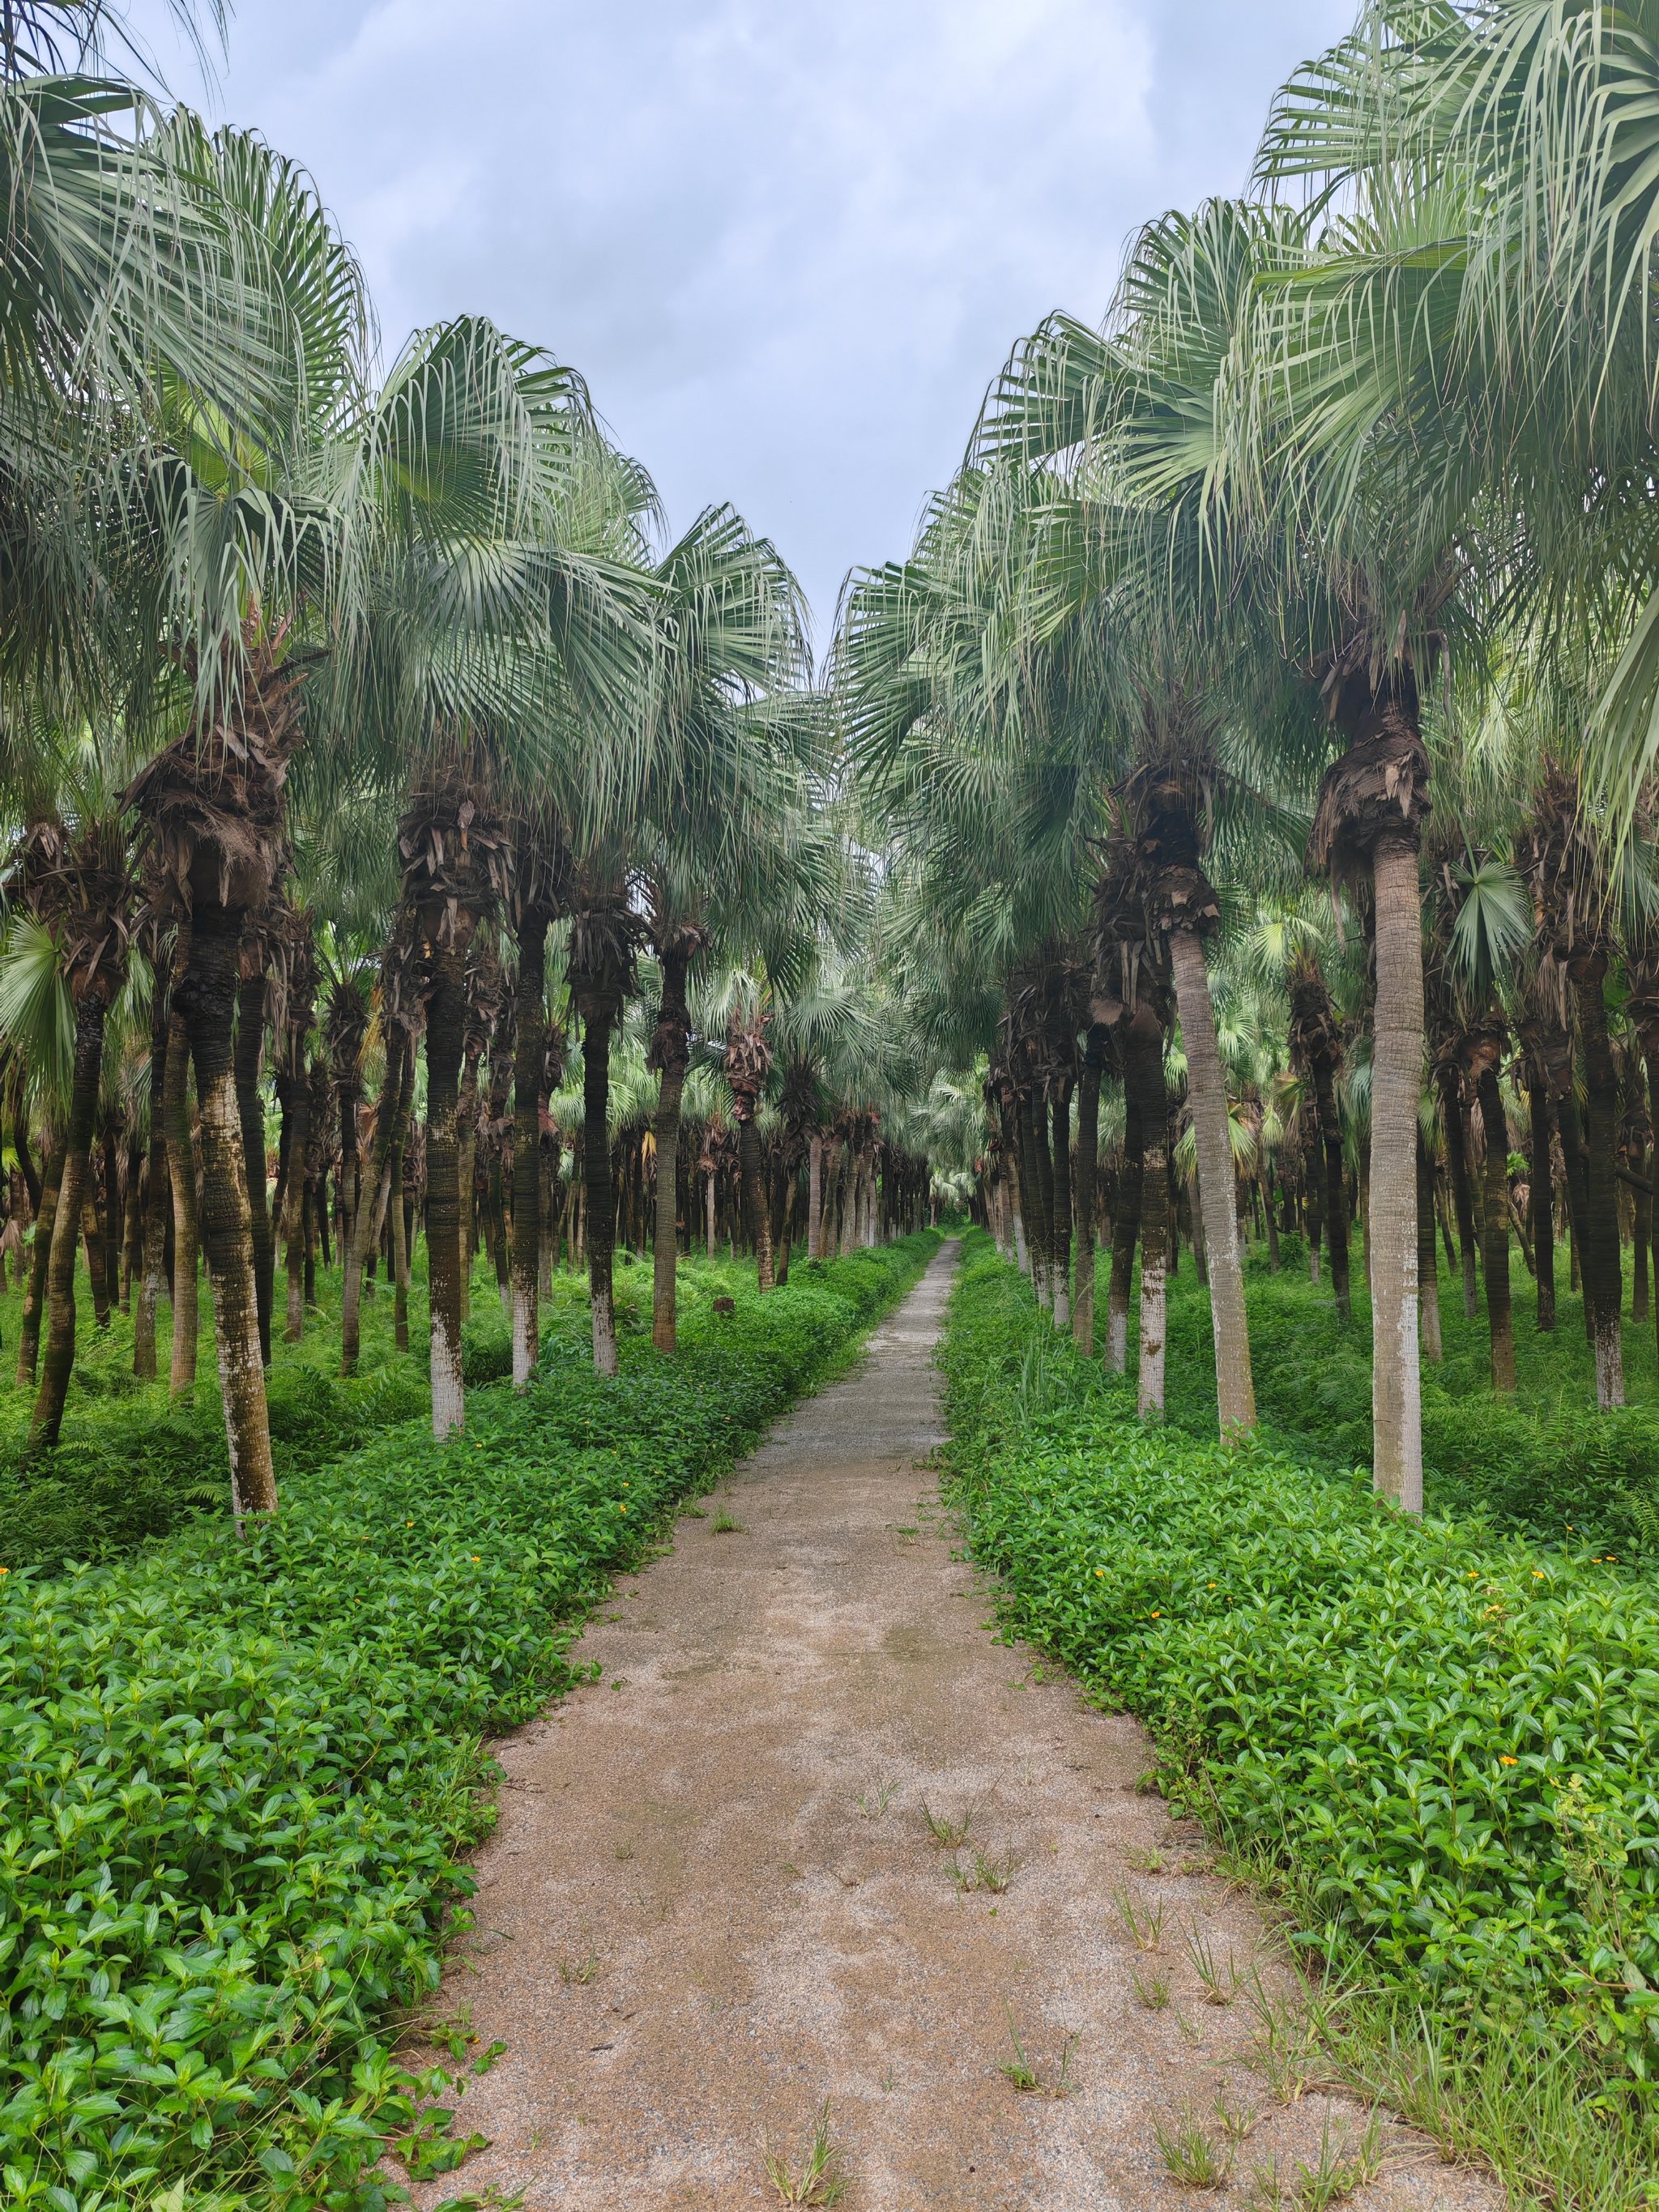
pixel 34 1287
pixel 1062 1202
pixel 1500 1318
pixel 754 1199
pixel 207 1001
pixel 598 1192
pixel 529 1031
pixel 1650 1055
pixel 466 1166
pixel 157 1195
pixel 1603 1274
pixel 369 1221
pixel 445 1036
pixel 1143 1073
pixel 250 1041
pixel 1428 1272
pixel 1336 1190
pixel 294 1208
pixel 1540 1196
pixel 59 1361
pixel 181 1177
pixel 1126 1232
pixel 1396 1085
pixel 1088 1152
pixel 1456 1117
pixel 671 1052
pixel 1206 1094
pixel 815 1196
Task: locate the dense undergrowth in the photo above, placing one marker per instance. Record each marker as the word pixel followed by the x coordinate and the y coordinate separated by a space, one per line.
pixel 241 1775
pixel 1442 1744
pixel 1545 1463
pixel 135 1463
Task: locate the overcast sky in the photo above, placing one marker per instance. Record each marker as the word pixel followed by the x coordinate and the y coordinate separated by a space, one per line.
pixel 788 241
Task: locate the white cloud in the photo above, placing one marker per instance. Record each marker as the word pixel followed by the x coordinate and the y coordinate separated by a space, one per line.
pixel 788 241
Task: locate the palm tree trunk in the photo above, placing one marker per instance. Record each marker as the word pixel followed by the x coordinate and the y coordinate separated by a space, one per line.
pixel 754 1197
pixel 206 1000
pixel 1396 1085
pixel 1428 1271
pixel 1143 1074
pixel 530 1020
pixel 34 1288
pixel 112 1224
pixel 1603 1274
pixel 1455 1117
pixel 181 1178
pixel 1540 1196
pixel 1206 1094
pixel 466 1171
pixel 1043 1183
pixel 157 1193
pixel 1088 1155
pixel 1650 1055
pixel 1336 1191
pixel 293 1206
pixel 250 1112
pixel 91 1238
pixel 815 1196
pixel 1499 1316
pixel 1125 1231
pixel 671 1050
pixel 1062 1175
pixel 59 1362
pixel 368 1221
pixel 445 1041
pixel 1313 1171
pixel 132 1263
pixel 599 1193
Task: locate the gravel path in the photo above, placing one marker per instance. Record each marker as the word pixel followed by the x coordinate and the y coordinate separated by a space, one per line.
pixel 714 1898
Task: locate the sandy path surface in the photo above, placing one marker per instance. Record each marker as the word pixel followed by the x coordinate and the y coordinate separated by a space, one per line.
pixel 714 1899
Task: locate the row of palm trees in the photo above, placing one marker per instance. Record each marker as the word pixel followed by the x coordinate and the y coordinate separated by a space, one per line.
pixel 358 722
pixel 1348 500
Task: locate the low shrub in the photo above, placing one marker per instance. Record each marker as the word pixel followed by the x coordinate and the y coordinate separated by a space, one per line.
pixel 241 1776
pixel 1545 1463
pixel 1447 1739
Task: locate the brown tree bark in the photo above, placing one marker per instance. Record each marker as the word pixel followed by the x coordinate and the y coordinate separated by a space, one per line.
pixel 35 1286
pixel 1540 1194
pixel 1126 1233
pixel 444 1034
pixel 158 1195
pixel 59 1362
pixel 528 1036
pixel 206 1000
pixel 1428 1271
pixel 1088 1158
pixel 1061 1107
pixel 1499 1314
pixel 1142 1051
pixel 181 1179
pixel 1206 1094
pixel 294 1199
pixel 1454 1119
pixel 671 1053
pixel 1603 1274
pixel 754 1197
pixel 598 1192
pixel 251 1116
pixel 1396 1084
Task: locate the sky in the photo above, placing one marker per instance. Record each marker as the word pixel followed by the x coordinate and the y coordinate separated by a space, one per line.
pixel 787 242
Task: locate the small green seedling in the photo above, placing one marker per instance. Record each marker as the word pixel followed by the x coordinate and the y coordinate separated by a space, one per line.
pixel 1025 2077
pixel 1236 2120
pixel 984 1873
pixel 726 1524
pixel 1153 1992
pixel 1220 1983
pixel 577 1973
pixel 1342 2168
pixel 819 2178
pixel 949 1834
pixel 1143 1923
pixel 874 1803
pixel 1148 1862
pixel 1191 2158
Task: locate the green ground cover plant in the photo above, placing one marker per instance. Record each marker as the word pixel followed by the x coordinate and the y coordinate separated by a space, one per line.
pixel 1440 1743
pixel 241 1775
pixel 1545 1463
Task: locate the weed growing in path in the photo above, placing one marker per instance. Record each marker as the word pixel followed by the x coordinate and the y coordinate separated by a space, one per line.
pixel 1191 2157
pixel 726 1524
pixel 1026 2077
pixel 820 2178
pixel 1143 1923
pixel 949 1834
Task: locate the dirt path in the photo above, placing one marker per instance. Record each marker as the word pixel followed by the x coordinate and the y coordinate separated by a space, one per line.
pixel 714 1901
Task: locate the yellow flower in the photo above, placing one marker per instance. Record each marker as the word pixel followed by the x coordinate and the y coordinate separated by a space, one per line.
pixel 1157 1616
pixel 1503 1759
pixel 1538 1574
pixel 1100 1570
pixel 476 1560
